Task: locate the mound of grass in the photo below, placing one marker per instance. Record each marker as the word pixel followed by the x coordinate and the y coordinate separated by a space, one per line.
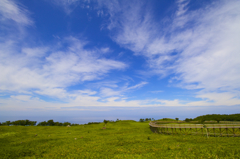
pixel 122 139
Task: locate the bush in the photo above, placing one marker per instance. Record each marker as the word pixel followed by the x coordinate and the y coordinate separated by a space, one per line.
pixel 141 120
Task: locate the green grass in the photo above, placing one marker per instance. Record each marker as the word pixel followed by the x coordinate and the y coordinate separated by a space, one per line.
pixel 123 139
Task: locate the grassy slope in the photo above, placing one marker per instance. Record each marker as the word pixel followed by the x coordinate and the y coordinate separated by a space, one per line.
pixel 119 140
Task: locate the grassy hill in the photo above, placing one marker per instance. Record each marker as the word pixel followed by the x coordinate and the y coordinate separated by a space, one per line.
pixel 122 139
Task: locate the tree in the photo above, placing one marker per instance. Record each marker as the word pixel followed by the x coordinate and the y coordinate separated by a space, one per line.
pixel 32 123
pixel 24 122
pixel 188 119
pixel 27 122
pixel 177 119
pixel 141 120
pixel 75 124
pixel 66 124
pixel 50 122
pixel 8 123
pixel 218 119
pixel 105 121
pixel 202 120
pixel 4 123
pixel 56 124
pixel 44 123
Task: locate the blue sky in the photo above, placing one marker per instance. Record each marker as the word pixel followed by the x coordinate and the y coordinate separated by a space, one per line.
pixel 88 60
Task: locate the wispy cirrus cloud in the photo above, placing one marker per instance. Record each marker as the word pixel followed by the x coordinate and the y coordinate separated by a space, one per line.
pixel 14 19
pixel 120 91
pixel 70 5
pixel 199 46
pixel 11 11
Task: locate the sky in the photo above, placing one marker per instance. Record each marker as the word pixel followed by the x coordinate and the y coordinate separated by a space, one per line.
pixel 88 60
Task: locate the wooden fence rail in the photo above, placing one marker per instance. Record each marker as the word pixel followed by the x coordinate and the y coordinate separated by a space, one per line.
pixel 196 129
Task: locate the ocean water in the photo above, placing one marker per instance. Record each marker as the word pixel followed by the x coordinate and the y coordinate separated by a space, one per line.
pixel 83 115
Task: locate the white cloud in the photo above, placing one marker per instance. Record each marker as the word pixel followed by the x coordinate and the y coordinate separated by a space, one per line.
pixel 57 70
pixel 87 92
pixel 182 7
pixel 22 97
pixel 45 70
pixel 110 92
pixel 12 11
pixel 14 19
pixel 35 52
pixel 53 92
pixel 225 98
pixel 105 92
pixel 141 84
pixel 133 31
pixel 205 43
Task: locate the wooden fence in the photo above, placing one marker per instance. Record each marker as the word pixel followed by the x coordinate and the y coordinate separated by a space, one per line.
pixel 196 129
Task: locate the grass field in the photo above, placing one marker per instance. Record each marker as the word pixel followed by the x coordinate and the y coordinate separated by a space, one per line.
pixel 123 139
